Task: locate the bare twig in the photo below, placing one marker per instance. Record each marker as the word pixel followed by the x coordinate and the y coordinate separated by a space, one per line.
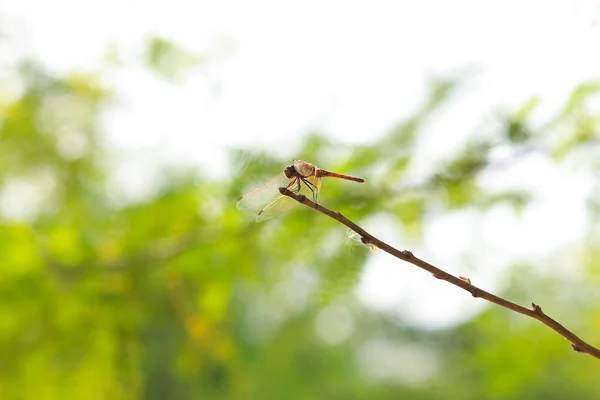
pixel 535 312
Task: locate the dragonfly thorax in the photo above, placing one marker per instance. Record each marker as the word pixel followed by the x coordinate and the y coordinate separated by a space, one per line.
pixel 304 169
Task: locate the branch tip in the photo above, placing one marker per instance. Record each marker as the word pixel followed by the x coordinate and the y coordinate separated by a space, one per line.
pixel 537 309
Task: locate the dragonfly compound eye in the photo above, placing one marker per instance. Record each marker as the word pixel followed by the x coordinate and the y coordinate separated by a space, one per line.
pixel 290 172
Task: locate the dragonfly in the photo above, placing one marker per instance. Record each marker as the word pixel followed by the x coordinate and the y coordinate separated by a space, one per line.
pixel 300 177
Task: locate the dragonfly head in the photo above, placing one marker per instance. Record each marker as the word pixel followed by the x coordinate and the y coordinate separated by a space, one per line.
pixel 290 171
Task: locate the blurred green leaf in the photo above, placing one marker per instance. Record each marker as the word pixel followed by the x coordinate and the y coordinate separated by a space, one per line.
pixel 579 96
pixel 411 211
pixel 168 59
pixel 517 200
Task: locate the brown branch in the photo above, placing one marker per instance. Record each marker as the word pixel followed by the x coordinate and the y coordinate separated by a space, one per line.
pixel 535 312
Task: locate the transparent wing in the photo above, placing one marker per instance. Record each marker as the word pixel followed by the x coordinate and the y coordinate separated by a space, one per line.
pixel 284 203
pixel 276 207
pixel 263 194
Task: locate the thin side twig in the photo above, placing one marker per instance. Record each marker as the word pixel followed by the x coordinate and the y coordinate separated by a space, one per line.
pixel 535 312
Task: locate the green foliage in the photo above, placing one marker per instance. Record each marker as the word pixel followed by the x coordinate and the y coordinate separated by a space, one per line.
pixel 578 122
pixel 516 199
pixel 170 60
pixel 411 211
pixel 182 296
pixel 518 132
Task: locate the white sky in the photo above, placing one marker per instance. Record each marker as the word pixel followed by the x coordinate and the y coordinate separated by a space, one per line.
pixel 347 68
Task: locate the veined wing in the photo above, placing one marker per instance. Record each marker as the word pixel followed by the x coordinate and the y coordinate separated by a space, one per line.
pixel 283 203
pixel 263 194
pixel 279 205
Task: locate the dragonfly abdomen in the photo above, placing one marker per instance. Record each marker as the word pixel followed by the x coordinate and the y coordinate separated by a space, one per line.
pixel 322 172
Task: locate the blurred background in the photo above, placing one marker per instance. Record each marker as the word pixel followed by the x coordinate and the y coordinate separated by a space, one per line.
pixel 128 130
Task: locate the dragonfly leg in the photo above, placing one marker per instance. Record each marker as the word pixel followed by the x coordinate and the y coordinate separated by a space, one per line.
pixel 296 182
pixel 312 187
